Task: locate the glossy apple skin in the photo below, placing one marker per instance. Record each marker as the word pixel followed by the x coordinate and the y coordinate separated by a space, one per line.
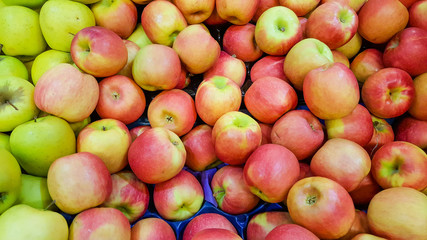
pixel 132 49
pixel 398 213
pixel 149 64
pixel 206 221
pixel 162 21
pixel 98 51
pixel 235 136
pixel 404 47
pixel 290 231
pixel 152 229
pixel 352 47
pixel 357 126
pixel 366 190
pixel 367 63
pixel 195 11
pixel 120 98
pixel 299 131
pixel 417 109
pixel 268 66
pixel 270 172
pixel 400 164
pixel 216 233
pixel 375 13
pixel 87 175
pixel 237 12
pixel 239 40
pixel 268 98
pixel 332 23
pixel 412 130
pixel 383 133
pixel 416 14
pixel 156 155
pixel 388 93
pixel 262 223
pixel 178 198
pixel 331 83
pixel 322 206
pixel 99 223
pixel 355 4
pixel 360 225
pixel 300 8
pixel 228 66
pixel 263 6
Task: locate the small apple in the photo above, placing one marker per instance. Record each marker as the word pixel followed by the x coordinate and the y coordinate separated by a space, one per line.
pixel 263 6
pixel 132 49
pixel 206 221
pixel 139 37
pixel 228 66
pixel 367 63
pixel 383 133
pixel 412 130
pixel 416 14
pixel 352 47
pixel 152 228
pixel 12 66
pixel 237 12
pixel 417 108
pixel 195 11
pixel 290 231
pixel 10 180
pixel 300 8
pixel 269 66
pixel 239 41
pixel 262 223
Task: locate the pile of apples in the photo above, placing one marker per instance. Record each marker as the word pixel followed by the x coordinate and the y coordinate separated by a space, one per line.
pixel 109 107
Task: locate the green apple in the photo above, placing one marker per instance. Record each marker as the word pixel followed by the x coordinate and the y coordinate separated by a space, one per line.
pixel 34 192
pixel 12 66
pixel 22 222
pixel 16 102
pixel 34 4
pixel 87 1
pixel 28 66
pixel 2 4
pixel 61 20
pixel 39 142
pixel 139 37
pixel 4 141
pixel 47 60
pixel 10 180
pixel 20 32
pixel 78 126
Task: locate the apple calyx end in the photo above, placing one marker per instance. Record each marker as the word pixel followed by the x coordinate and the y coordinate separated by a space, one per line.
pixel 311 200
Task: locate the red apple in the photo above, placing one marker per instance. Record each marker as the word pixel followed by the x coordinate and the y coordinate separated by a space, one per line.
pixel 136 131
pixel 331 83
pixel 120 98
pixel 262 223
pixel 195 11
pixel 417 13
pixel 388 93
pixel 240 41
pixel 322 206
pixel 263 6
pixel 366 190
pixel 400 164
pixel 206 221
pixel 98 51
pixel 132 49
pixel 367 63
pixel 237 12
pixel 404 47
pixel 290 231
pixel 383 133
pixel 152 228
pixel 305 171
pixel 360 225
pixel 299 131
pixel 228 66
pixel 216 233
pixel 412 130
pixel 214 19
pixel 266 133
pixel 270 172
pixel 183 79
pixel 340 57
pixel 269 66
pixel 300 8
pixel 408 3
pixel 417 109
pixel 268 98
pixel 355 4
pixel 156 155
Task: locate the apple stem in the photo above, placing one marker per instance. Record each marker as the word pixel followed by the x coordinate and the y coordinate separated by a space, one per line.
pixel 11 104
pixel 50 205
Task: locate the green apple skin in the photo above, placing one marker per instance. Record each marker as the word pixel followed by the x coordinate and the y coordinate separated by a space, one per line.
pixel 10 180
pixel 12 66
pixel 87 1
pixel 20 32
pixel 2 4
pixel 16 102
pixel 78 126
pixel 34 192
pixel 61 20
pixel 47 60
pixel 4 141
pixel 39 142
pixel 34 4
pixel 22 222
pixel 139 37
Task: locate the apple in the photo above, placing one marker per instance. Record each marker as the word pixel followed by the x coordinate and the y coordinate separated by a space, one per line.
pixel 149 64
pixel 270 172
pixel 404 47
pixel 306 55
pixel 120 98
pixel 305 171
pixel 375 13
pixel 235 136
pixel 87 185
pixel 277 30
pixel 290 231
pixel 196 48
pixel 408 3
pixel 366 190
pixel 357 126
pixel 216 233
pixel 132 49
pixel 299 131
pixel 228 66
pixel 237 12
pixel 300 8
pixel 383 133
pixel 17 102
pixel 322 206
pixel 34 192
pixel 360 225
pixel 216 96
pixel 417 108
pixel 332 23
pixel 152 228
pixel 398 213
pixel 268 66
pixel 214 19
pixel 98 51
pixel 4 141
pixel 36 144
pixel 340 57
pixel 174 110
pixel 139 37
pixel 156 155
pixel 61 20
pixel 263 6
pixel 412 130
pixel 119 16
pixel 200 148
pixel 268 98
pixel 195 11
pixel 100 223
pixel 184 78
pixel 367 236
pixel 367 63
pixel 162 21
pixel 47 60
pixel 262 223
pixel 138 130
pixel 109 139
pixel 10 180
pixel 21 222
pixel 206 221
pixel 178 198
pixel 352 47
pixel 11 66
pixel 331 83
pixel 239 41
pixel 388 93
pixel 400 164
pixel 34 4
pixel 266 133
pixel 355 4
pixel 78 126
pixel 416 13
pixel 67 93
